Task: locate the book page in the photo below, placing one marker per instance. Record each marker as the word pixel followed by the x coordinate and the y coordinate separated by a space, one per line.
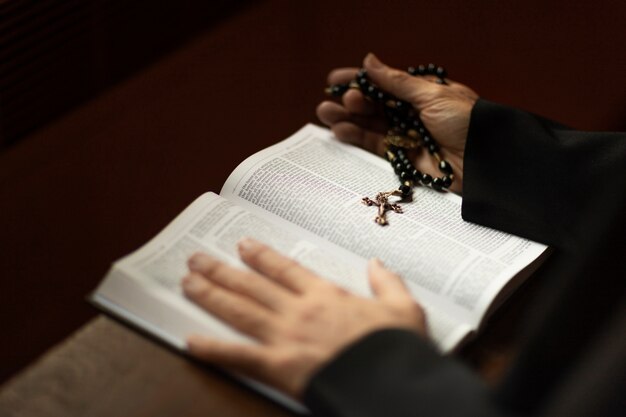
pixel 214 225
pixel 317 183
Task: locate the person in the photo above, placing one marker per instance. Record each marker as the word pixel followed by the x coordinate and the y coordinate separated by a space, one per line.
pixel 343 355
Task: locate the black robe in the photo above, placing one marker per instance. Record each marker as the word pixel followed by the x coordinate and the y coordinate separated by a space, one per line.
pixel 534 178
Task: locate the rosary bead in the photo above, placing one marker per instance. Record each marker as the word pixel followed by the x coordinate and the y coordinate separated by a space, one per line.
pixel 437 183
pixel 398 166
pixel 417 175
pixel 446 181
pixel 427 140
pixel 405 176
pixel 405 190
pixel 426 179
pixel 445 167
pixel 441 72
pixel 421 70
pixel 371 91
pixel 432 148
pixel 338 90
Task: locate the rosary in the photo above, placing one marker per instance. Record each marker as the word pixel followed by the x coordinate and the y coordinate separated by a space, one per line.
pixel 406 131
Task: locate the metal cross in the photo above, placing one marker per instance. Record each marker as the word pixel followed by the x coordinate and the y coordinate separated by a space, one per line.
pixel 383 204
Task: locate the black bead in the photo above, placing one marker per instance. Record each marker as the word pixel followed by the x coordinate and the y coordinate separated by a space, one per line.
pixel 412 71
pixel 338 90
pixel 431 69
pixel 427 140
pixel 398 166
pixel 441 72
pixel 372 91
pixel 437 183
pixel 400 105
pixel 446 181
pixel 421 130
pixel 421 70
pixel 405 190
pixel 405 176
pixel 417 175
pixel 426 179
pixel 432 148
pixel 445 167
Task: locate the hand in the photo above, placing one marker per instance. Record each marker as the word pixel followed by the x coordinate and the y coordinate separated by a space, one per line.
pixel 300 320
pixel 444 109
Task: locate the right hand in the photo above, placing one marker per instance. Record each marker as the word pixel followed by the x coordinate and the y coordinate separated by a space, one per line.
pixel 444 109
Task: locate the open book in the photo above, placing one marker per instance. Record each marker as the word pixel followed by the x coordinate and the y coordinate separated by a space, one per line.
pixel 302 196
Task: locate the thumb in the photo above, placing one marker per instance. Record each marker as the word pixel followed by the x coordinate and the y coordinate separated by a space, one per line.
pixel 385 284
pixel 396 82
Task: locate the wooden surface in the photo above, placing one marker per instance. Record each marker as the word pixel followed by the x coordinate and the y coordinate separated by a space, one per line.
pixel 105 369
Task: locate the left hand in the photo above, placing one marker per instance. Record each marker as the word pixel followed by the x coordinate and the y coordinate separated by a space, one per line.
pixel 300 320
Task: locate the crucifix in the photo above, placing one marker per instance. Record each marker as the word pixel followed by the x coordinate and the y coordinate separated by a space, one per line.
pixel 382 202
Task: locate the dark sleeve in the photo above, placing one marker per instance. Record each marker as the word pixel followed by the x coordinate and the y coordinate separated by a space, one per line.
pixel 396 373
pixel 533 177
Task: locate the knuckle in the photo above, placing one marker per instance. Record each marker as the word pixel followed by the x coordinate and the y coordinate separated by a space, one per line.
pixel 398 76
pixel 286 269
pixel 415 310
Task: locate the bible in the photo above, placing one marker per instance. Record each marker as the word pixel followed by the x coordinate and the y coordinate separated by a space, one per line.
pixel 303 196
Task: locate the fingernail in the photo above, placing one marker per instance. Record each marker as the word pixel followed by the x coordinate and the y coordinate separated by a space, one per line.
pixel 194 262
pixel 373 62
pixel 193 341
pixel 377 263
pixel 247 244
pixel 193 284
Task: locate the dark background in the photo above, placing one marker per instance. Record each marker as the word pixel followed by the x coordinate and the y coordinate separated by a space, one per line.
pixel 114 115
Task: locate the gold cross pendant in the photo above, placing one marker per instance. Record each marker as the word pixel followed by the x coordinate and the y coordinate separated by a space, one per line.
pixel 383 204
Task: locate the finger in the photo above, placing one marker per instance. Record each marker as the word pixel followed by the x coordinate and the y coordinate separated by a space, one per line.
pixel 385 284
pixel 247 283
pixel 331 113
pixel 247 359
pixel 233 309
pixel 398 83
pixel 276 267
pixel 341 75
pixel 355 103
pixel 351 133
